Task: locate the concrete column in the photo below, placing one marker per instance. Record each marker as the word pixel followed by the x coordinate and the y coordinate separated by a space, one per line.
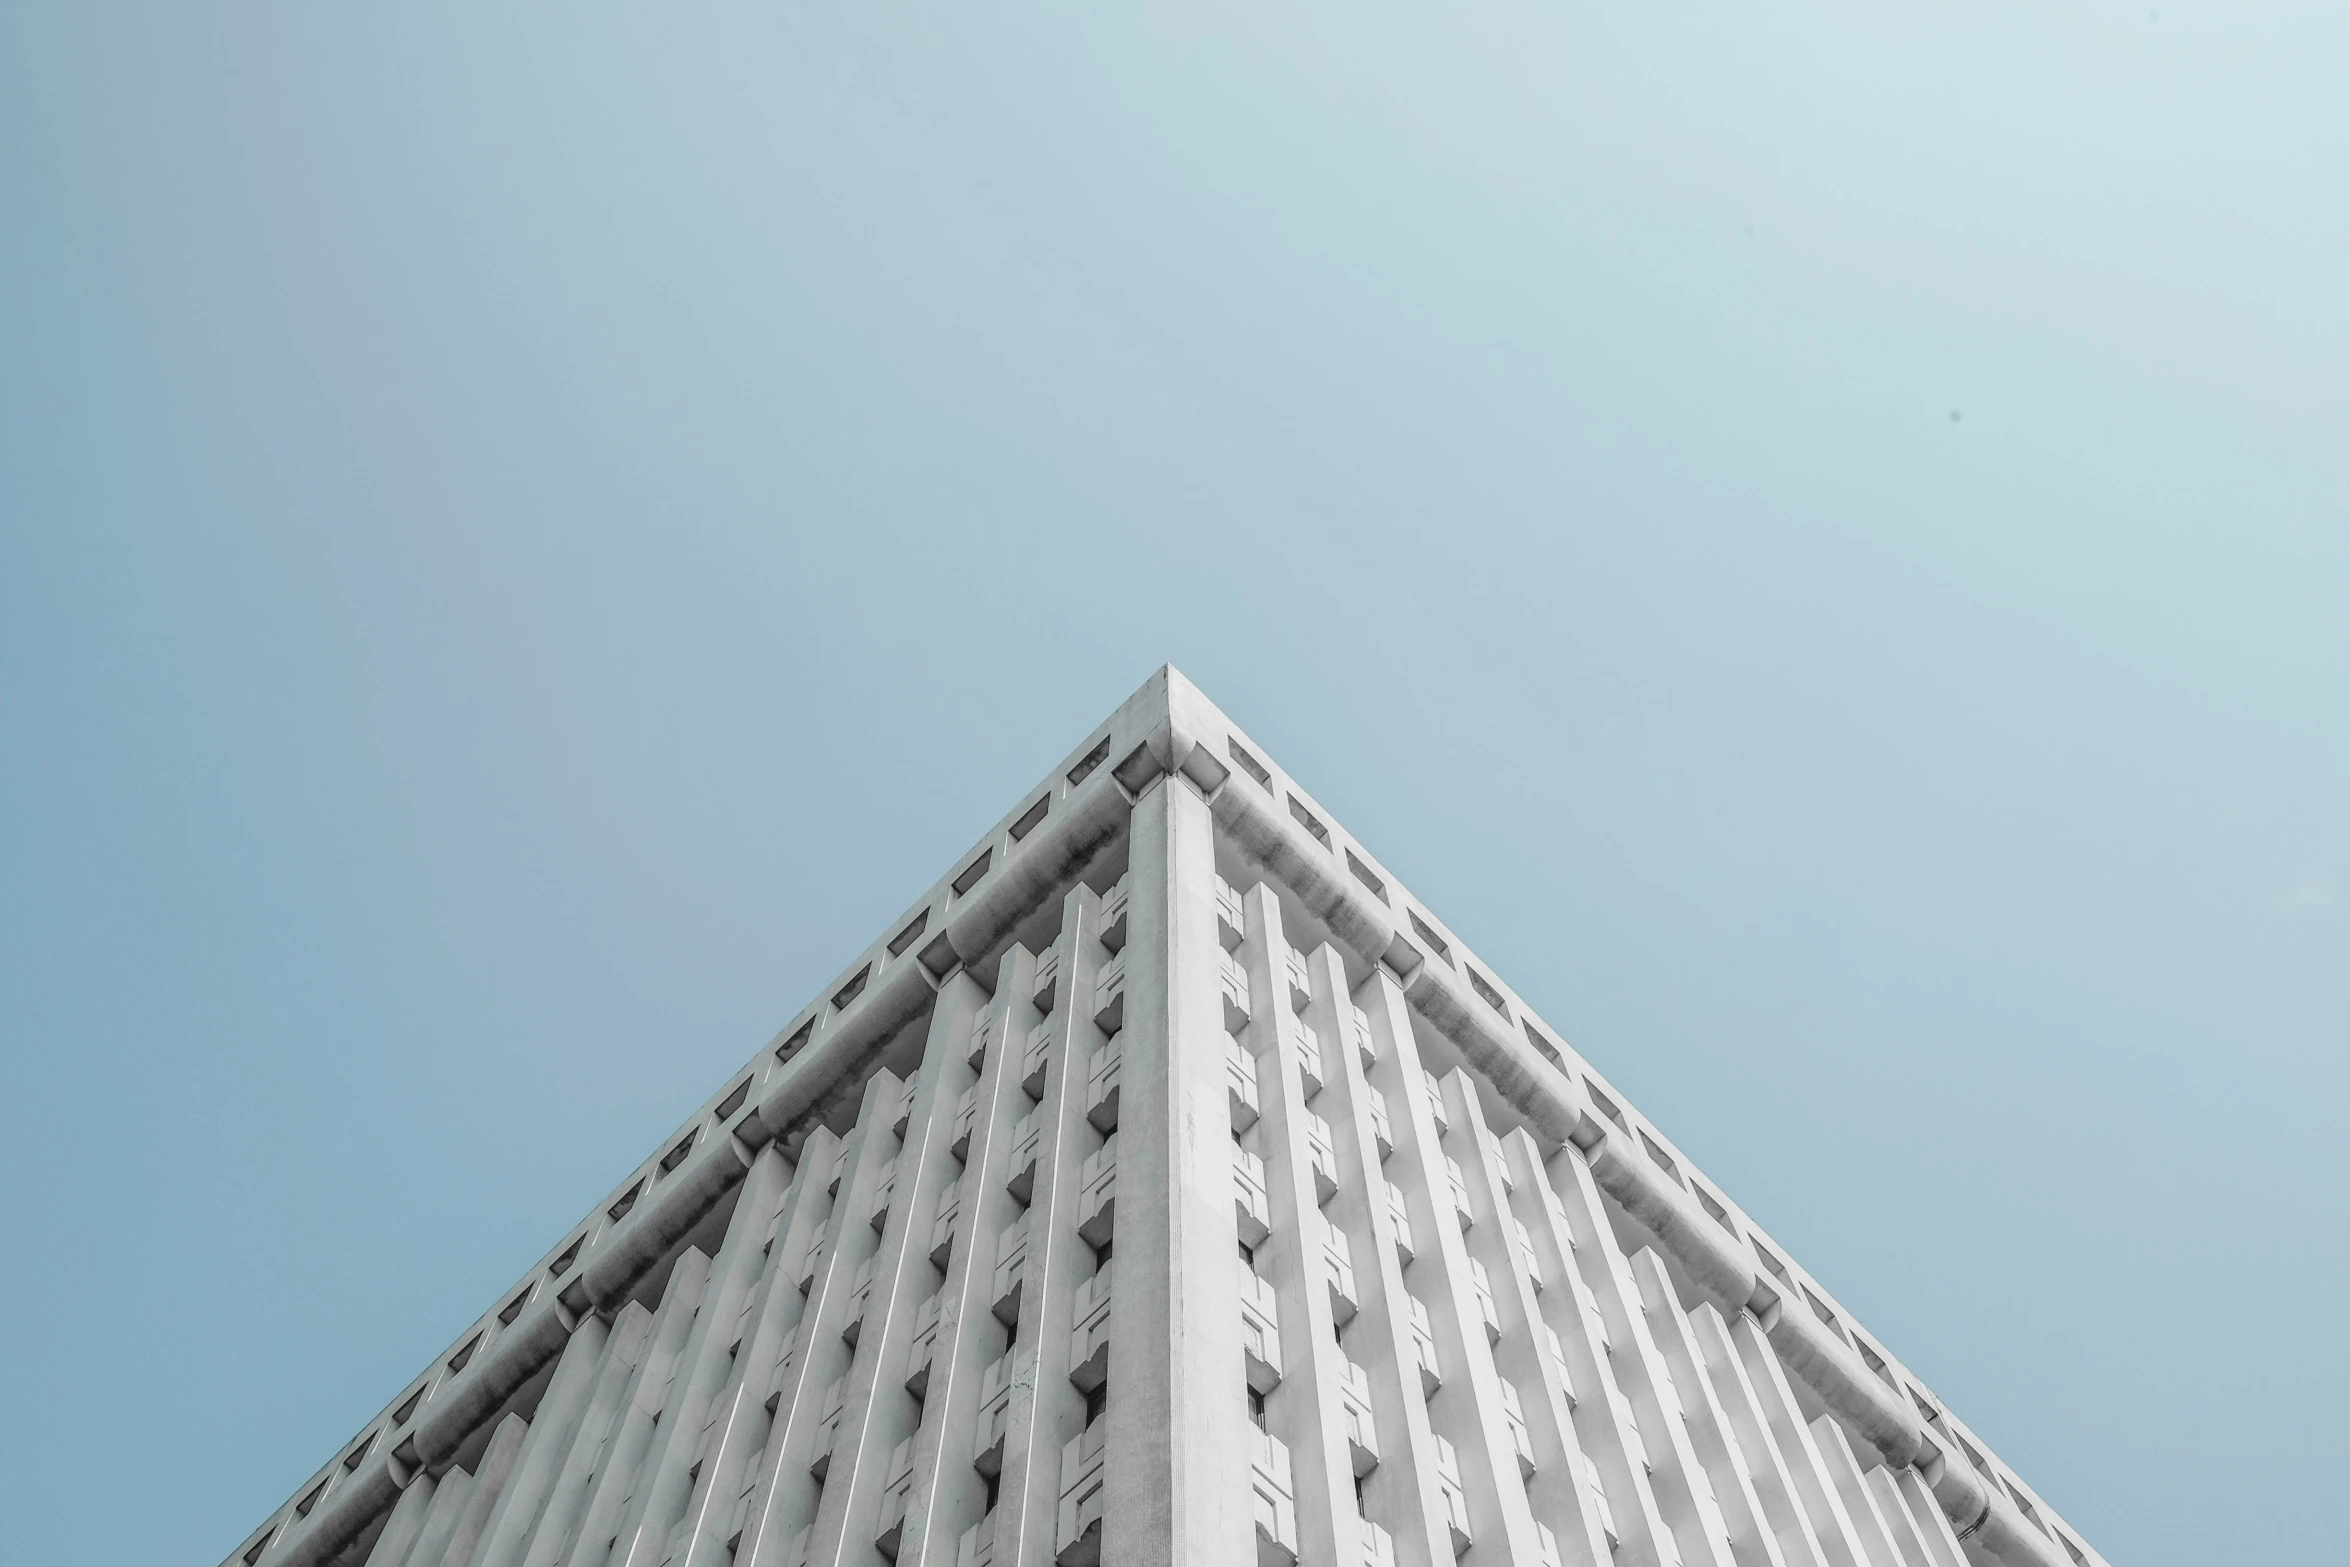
pixel 1028 1493
pixel 662 1484
pixel 490 1475
pixel 1774 1487
pixel 543 1450
pixel 946 1490
pixel 1304 1411
pixel 632 1432
pixel 440 1521
pixel 624 1348
pixel 1176 1454
pixel 404 1525
pixel 1784 1417
pixel 1466 1410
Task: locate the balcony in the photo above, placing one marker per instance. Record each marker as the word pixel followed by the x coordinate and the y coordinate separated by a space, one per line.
pixel 830 1409
pixel 1399 1218
pixel 1362 1430
pixel 1558 1362
pixel 1595 1498
pixel 1458 1185
pixel 1481 1286
pixel 1424 1348
pixel 1089 1339
pixel 1377 1546
pixel 1546 1546
pixel 1338 1272
pixel 895 1491
pixel 1301 984
pixel 1097 1194
pixel 1240 1083
pixel 1109 996
pixel 901 1109
pixel 1231 921
pixel 1027 1136
pixel 1513 1415
pixel 1102 1072
pixel 1306 1047
pixel 918 1354
pixel 1114 916
pixel 860 1292
pixel 1527 1258
pixel 942 1228
pixel 839 1171
pixel 883 1190
pixel 1260 1332
pixel 1275 1500
pixel 1382 1129
pixel 986 1029
pixel 1322 1154
pixel 1249 1207
pixel 1234 984
pixel 1078 1539
pixel 1358 1029
pixel 966 1117
pixel 978 1547
pixel 1454 1499
pixel 1047 986
pixel 1035 1057
pixel 1436 1110
pixel 1011 1374
pixel 1011 1267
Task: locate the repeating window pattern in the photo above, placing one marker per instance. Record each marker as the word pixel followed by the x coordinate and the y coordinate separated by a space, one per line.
pixel 888 1323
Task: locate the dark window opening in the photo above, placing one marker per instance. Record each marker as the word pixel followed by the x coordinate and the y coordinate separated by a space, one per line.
pixel 1030 817
pixel 734 1099
pixel 458 1361
pixel 1096 1403
pixel 619 1210
pixel 1363 874
pixel 911 934
pixel 1543 1047
pixel 1249 764
pixel 972 872
pixel 1485 991
pixel 1436 943
pixel 1305 819
pixel 514 1308
pixel 401 1414
pixel 852 990
pixel 676 1156
pixel 1256 1408
pixel 1092 759
pixel 799 1038
pixel 562 1265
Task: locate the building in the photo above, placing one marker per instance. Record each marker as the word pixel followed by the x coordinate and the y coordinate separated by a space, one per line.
pixel 1167 1185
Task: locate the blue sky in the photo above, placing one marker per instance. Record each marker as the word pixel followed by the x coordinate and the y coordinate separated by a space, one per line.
pixel 1816 536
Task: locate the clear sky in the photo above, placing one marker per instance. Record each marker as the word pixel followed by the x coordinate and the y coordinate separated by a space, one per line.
pixel 1816 536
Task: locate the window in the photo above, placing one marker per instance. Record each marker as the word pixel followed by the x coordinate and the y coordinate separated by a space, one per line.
pixel 1030 817
pixel 1713 1206
pixel 1543 1047
pixel 1377 888
pixel 1249 764
pixel 253 1551
pixel 1485 991
pixel 734 1100
pixel 1662 1160
pixel 464 1357
pixel 1819 1309
pixel 972 872
pixel 302 1507
pixel 562 1265
pixel 1436 943
pixel 407 1407
pixel 852 990
pixel 1097 1402
pixel 1305 819
pixel 1256 1408
pixel 911 934
pixel 1778 1268
pixel 1604 1105
pixel 358 1455
pixel 619 1210
pixel 676 1156
pixel 1091 760
pixel 514 1308
pixel 799 1039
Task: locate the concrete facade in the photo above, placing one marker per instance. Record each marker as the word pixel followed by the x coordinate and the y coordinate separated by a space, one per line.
pixel 1167 1186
